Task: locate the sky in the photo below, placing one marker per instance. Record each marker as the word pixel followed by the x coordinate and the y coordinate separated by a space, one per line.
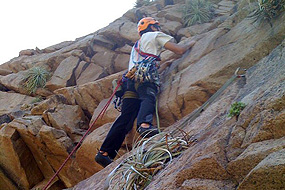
pixel 27 24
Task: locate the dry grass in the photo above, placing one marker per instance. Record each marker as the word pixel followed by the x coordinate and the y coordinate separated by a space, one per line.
pixel 147 158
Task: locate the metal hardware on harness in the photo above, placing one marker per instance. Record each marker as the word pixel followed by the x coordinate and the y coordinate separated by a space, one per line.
pixel 118 103
pixel 146 71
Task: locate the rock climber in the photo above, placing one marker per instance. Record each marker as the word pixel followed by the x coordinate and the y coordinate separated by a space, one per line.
pixel 140 87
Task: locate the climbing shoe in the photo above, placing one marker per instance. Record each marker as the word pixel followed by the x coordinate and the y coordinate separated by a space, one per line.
pixel 102 160
pixel 147 132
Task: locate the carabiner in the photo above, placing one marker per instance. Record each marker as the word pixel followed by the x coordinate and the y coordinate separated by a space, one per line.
pixel 237 75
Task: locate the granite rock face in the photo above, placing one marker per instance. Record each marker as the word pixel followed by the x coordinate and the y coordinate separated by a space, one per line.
pixel 39 130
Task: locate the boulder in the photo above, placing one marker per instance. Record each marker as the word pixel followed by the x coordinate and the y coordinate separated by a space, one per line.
pixel 27 52
pixel 15 82
pixel 252 156
pixel 28 128
pixel 5 182
pixel 43 92
pixel 116 29
pixel 224 7
pixel 213 125
pixel 121 62
pixel 69 118
pixel 110 115
pixel 17 161
pixel 98 180
pixel 89 95
pixel 133 15
pixel 86 153
pixel 51 102
pixel 105 59
pixel 268 174
pixel 101 40
pixel 5 118
pixel 64 74
pixel 128 31
pixel 263 117
pixel 11 102
pixel 202 47
pixel 195 30
pixel 204 184
pixel 56 47
pixel 125 49
pixel 172 27
pixel 184 32
pixel 148 10
pixel 171 13
pixel 56 145
pixel 264 125
pixel 4 72
pixel 88 72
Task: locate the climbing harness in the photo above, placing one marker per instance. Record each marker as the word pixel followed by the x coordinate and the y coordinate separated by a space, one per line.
pixel 119 83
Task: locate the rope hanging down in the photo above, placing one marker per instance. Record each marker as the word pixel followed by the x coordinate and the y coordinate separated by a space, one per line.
pixel 86 133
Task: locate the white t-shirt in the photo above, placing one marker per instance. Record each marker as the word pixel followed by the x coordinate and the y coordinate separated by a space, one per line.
pixel 150 42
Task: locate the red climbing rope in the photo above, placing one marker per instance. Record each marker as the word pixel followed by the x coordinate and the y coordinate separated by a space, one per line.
pixel 81 140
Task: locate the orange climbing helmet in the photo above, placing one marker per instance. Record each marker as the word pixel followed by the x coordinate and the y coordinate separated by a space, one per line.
pixel 145 22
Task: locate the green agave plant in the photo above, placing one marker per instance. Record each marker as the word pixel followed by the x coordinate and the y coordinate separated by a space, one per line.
pixel 197 12
pixel 147 158
pixel 35 78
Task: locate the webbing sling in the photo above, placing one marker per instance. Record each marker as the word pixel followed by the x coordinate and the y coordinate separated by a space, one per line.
pixel 143 54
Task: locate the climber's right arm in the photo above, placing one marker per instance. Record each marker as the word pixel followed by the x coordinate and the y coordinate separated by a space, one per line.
pixel 178 48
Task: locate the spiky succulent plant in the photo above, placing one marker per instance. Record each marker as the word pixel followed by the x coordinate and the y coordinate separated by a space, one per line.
pixel 35 78
pixel 147 158
pixel 197 12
